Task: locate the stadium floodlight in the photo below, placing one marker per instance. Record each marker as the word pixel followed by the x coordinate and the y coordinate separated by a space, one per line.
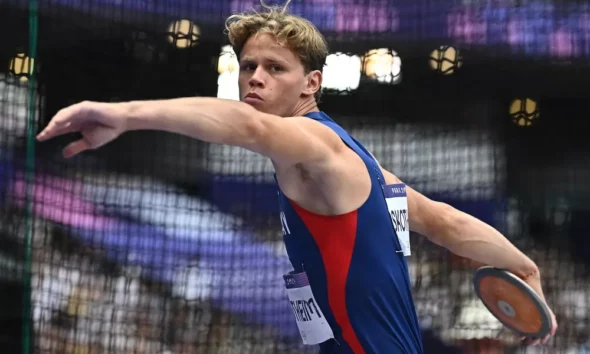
pixel 342 72
pixel 183 34
pixel 445 60
pixel 382 65
pixel 524 111
pixel 21 66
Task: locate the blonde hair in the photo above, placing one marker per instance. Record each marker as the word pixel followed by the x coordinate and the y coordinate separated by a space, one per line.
pixel 291 31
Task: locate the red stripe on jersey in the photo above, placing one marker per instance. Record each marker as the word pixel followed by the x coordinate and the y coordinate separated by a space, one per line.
pixel 335 237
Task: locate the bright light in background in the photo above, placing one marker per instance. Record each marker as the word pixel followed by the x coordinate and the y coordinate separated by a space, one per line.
pixel 342 72
pixel 183 33
pixel 445 60
pixel 383 65
pixel 21 66
pixel 228 68
pixel 524 111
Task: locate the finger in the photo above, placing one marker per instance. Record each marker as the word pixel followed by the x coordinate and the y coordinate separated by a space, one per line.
pixel 57 129
pixel 75 148
pixel 61 123
pixel 554 329
pixel 54 128
pixel 47 133
pixel 535 342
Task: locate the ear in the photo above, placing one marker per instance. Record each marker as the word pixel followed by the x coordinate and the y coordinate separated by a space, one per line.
pixel 313 83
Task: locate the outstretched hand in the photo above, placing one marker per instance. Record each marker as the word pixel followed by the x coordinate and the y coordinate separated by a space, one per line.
pixel 98 123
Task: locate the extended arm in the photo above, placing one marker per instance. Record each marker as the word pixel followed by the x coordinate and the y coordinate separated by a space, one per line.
pixel 471 238
pixel 463 234
pixel 284 140
pixel 291 140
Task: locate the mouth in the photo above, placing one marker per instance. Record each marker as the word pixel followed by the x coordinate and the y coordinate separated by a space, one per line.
pixel 253 97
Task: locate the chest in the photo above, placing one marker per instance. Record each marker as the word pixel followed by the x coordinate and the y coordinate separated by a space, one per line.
pixel 382 216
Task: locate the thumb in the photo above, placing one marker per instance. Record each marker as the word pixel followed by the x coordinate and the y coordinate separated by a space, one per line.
pixel 75 148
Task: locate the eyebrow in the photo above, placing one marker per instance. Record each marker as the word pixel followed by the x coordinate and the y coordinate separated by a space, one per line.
pixel 276 60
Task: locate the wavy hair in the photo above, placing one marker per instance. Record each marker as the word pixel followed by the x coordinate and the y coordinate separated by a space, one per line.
pixel 294 32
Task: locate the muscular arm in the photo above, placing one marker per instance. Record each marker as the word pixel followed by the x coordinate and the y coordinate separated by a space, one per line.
pixel 286 140
pixel 463 234
pixel 301 140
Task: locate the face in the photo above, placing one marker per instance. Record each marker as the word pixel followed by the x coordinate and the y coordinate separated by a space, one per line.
pixel 273 79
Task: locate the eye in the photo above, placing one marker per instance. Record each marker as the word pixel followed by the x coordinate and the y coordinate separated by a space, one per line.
pixel 276 68
pixel 248 67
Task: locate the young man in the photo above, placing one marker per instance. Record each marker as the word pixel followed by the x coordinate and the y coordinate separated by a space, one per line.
pixel 343 217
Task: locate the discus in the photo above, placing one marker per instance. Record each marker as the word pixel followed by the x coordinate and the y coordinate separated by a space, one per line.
pixel 513 302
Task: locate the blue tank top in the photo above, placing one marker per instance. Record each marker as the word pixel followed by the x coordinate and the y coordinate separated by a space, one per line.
pixel 356 272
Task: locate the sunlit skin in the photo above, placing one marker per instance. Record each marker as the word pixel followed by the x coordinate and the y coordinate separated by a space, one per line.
pixel 273 79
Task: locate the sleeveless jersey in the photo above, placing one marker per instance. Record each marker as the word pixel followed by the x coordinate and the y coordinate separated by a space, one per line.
pixel 355 267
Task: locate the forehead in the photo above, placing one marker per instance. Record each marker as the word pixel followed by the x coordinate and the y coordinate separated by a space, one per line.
pixel 265 46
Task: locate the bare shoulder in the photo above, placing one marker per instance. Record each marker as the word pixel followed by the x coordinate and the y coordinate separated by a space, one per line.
pixel 320 137
pixel 335 185
pixel 293 141
pixel 311 138
pixel 319 130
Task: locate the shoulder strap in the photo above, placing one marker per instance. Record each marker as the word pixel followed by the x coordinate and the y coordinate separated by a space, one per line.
pixel 348 139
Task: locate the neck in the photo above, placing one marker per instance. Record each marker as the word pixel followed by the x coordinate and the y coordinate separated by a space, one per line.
pixel 306 105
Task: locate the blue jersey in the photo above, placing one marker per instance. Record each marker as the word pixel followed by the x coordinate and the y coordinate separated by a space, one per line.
pixel 355 267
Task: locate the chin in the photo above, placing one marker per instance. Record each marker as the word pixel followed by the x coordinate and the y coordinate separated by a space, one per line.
pixel 264 109
pixel 256 106
pixel 261 108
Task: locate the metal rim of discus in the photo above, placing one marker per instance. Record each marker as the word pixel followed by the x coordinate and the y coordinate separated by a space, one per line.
pixel 503 305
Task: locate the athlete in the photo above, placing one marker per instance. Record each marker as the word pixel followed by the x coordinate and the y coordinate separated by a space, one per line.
pixel 344 218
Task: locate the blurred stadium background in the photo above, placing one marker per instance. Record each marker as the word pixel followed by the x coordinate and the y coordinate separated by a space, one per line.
pixel 161 244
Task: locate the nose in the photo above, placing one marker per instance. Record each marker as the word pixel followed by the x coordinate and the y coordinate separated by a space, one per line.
pixel 257 78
